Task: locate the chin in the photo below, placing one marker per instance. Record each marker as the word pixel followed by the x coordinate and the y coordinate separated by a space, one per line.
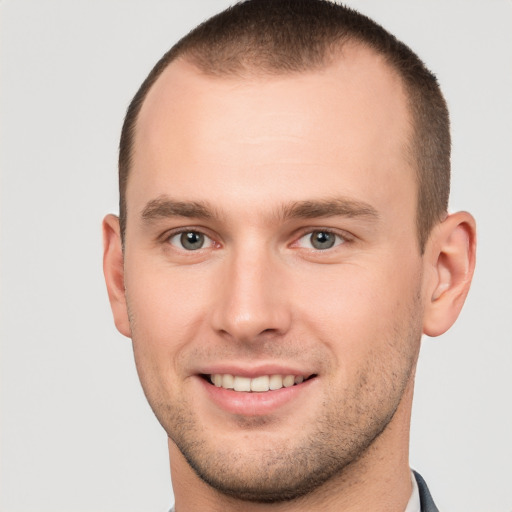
pixel 274 467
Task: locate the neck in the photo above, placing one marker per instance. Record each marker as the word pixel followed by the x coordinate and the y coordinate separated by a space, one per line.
pixel 380 480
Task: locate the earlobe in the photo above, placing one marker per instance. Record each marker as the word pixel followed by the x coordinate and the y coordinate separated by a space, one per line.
pixel 450 254
pixel 113 269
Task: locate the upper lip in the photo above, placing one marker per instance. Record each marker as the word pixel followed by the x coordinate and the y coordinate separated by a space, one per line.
pixel 253 371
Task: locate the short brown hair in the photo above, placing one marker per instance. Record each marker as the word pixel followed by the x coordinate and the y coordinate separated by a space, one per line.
pixel 290 36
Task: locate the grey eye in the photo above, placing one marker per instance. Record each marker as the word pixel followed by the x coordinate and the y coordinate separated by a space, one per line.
pixel 322 239
pixel 192 240
pixel 189 240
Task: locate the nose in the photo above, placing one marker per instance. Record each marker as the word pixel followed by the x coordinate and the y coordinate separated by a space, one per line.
pixel 252 301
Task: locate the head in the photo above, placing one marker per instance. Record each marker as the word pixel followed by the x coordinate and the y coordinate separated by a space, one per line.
pixel 284 177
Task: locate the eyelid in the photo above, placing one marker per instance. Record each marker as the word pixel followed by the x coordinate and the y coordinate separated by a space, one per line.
pixel 171 233
pixel 214 240
pixel 341 234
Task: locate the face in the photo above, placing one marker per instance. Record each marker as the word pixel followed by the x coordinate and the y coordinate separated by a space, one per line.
pixel 272 271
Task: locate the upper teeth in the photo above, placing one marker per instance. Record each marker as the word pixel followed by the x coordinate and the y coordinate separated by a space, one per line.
pixel 263 383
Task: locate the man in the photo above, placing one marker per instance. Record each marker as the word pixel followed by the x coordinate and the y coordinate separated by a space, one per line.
pixel 283 243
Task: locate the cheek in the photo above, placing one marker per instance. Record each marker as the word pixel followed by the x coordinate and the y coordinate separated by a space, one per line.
pixel 166 311
pixel 361 311
pixel 164 296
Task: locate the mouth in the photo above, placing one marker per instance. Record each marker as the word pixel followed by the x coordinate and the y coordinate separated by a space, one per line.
pixel 258 384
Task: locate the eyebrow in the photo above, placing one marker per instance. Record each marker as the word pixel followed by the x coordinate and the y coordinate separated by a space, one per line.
pixel 165 207
pixel 340 206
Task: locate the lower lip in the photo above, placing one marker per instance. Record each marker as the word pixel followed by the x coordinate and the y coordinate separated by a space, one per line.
pixel 254 403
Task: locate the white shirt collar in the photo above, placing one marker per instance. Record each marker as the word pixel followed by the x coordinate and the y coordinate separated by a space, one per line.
pixel 414 504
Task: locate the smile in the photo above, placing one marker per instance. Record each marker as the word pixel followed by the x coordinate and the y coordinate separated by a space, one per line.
pixel 258 384
pixel 254 392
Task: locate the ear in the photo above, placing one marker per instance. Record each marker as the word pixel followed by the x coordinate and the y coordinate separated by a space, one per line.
pixel 450 256
pixel 113 269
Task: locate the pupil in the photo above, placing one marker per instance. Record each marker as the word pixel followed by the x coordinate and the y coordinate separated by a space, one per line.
pixel 322 240
pixel 192 240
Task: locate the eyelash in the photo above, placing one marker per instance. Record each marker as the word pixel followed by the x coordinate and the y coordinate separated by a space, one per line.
pixel 341 238
pixel 182 231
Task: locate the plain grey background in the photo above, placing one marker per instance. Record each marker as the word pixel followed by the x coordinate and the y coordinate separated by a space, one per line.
pixel 76 432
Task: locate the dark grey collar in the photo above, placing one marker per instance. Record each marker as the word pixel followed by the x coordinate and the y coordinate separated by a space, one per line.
pixel 427 503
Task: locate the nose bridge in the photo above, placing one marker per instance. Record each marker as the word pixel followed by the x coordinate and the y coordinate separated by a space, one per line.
pixel 252 296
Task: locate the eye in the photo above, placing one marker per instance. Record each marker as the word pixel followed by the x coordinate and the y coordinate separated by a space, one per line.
pixel 320 240
pixel 190 240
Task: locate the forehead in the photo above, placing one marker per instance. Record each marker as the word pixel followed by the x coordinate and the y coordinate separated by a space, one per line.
pixel 345 128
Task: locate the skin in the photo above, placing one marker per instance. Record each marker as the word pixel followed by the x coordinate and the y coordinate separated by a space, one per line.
pixel 258 298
